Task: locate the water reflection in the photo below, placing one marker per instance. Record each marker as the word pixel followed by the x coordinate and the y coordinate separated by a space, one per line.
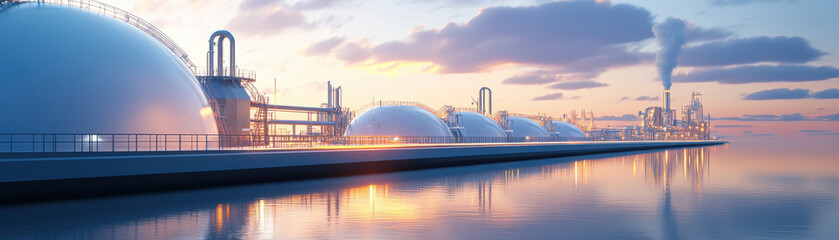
pixel 640 195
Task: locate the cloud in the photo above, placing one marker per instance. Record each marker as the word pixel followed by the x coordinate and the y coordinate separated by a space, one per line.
pixel 573 37
pixel 266 17
pixel 780 118
pixel 324 47
pixel 552 96
pixel 647 98
pixel 760 74
pixel 578 85
pixel 768 117
pixel 743 2
pixel 834 117
pixel 317 4
pixel 732 126
pixel 825 134
pixel 750 50
pixel 779 93
pixel 531 78
pixel 697 34
pixel 813 131
pixel 439 4
pixel 353 52
pixel 832 93
pixel 625 117
pixel 786 93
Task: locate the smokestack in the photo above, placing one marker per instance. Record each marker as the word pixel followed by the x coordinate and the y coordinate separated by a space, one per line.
pixel 670 36
pixel 666 100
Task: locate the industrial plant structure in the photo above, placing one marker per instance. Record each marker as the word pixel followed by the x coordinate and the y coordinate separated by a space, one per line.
pixel 135 80
pixel 661 123
pixel 80 76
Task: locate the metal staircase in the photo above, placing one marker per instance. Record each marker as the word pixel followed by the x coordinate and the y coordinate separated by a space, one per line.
pixel 259 124
pixel 209 90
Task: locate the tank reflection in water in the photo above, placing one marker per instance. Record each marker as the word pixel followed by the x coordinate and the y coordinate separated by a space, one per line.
pixel 651 195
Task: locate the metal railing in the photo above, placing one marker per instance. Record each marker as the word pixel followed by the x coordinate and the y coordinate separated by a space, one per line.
pixel 247 74
pixel 41 143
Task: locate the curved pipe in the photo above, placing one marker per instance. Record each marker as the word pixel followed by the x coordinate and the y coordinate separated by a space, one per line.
pixel 482 100
pixel 221 35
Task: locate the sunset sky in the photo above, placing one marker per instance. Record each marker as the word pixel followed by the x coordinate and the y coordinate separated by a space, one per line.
pixel 768 69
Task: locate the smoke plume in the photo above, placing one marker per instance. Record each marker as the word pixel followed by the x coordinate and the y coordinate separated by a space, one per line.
pixel 670 36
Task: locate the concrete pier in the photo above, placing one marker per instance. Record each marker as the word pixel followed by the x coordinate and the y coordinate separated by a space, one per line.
pixel 40 177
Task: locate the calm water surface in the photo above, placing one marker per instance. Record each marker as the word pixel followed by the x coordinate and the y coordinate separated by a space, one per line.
pixel 735 191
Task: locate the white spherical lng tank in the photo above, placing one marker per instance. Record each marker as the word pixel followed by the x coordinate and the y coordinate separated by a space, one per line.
pixel 564 129
pixel 397 121
pixel 525 127
pixel 67 70
pixel 478 125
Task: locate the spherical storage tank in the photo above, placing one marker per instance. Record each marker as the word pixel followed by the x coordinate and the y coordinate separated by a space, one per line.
pixel 478 125
pixel 397 121
pixel 564 129
pixel 524 127
pixel 67 70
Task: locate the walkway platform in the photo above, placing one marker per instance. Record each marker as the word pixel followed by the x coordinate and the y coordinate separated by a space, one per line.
pixel 32 177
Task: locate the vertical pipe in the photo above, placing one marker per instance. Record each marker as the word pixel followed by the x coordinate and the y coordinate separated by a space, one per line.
pixel 480 101
pixel 490 101
pixel 232 54
pixel 484 96
pixel 265 126
pixel 220 53
pixel 339 98
pixel 210 56
pixel 328 94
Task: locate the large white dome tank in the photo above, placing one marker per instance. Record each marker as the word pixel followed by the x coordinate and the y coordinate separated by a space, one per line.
pixel 478 125
pixel 67 70
pixel 398 121
pixel 525 127
pixel 564 129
